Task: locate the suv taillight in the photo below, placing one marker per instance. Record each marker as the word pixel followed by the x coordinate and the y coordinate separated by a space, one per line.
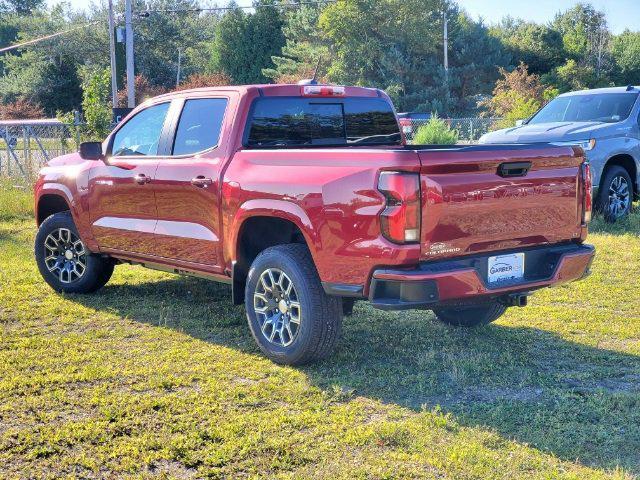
pixel 400 220
pixel 588 193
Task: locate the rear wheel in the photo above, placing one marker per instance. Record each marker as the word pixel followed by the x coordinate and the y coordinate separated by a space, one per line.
pixel 291 318
pixel 63 260
pixel 616 194
pixel 471 315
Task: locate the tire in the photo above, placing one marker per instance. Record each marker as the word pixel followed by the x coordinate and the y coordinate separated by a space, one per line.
pixel 472 315
pixel 616 194
pixel 319 316
pixel 64 274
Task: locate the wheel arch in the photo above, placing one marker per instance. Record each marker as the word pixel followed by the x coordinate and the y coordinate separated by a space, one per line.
pixel 50 204
pixel 257 227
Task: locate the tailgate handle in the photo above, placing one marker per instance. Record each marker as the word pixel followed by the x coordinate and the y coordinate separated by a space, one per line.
pixel 514 169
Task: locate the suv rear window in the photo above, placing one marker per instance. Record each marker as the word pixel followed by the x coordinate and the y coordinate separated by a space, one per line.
pixel 297 121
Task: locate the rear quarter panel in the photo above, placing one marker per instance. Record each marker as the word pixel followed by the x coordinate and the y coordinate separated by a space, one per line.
pixel 330 194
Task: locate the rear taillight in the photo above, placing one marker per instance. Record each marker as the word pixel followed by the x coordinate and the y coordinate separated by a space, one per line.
pixel 587 205
pixel 400 220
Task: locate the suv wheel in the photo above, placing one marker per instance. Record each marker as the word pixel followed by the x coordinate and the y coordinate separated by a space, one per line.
pixel 471 315
pixel 616 194
pixel 64 262
pixel 291 318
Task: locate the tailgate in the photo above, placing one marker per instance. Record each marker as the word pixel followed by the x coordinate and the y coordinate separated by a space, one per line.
pixel 487 198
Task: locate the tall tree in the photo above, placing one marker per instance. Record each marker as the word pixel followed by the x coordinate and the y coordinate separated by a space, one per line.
pixel 245 43
pixel 626 52
pixel 474 59
pixel 21 7
pixel 305 48
pixel 163 39
pixel 538 46
pixel 586 36
pixel 392 44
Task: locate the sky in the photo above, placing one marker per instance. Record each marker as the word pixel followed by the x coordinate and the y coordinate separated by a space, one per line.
pixel 621 14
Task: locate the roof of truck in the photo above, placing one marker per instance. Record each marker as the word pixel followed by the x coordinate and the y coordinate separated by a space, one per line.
pixel 596 91
pixel 274 90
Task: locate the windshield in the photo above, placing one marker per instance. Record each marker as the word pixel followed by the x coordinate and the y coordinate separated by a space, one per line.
pixel 602 107
pixel 299 121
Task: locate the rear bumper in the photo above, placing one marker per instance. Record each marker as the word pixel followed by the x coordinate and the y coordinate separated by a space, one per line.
pixel 463 280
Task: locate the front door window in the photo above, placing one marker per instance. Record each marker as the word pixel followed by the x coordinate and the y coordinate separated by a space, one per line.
pixel 140 136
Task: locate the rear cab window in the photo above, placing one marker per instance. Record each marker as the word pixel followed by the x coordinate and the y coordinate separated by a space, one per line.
pixel 298 122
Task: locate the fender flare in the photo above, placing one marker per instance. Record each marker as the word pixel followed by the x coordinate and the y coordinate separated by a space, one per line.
pixel 61 190
pixel 282 209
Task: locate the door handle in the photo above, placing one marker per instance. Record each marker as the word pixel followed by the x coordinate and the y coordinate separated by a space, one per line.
pixel 201 181
pixel 514 169
pixel 141 179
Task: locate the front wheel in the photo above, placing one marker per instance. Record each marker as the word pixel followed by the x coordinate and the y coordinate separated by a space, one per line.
pixel 63 260
pixel 472 315
pixel 291 318
pixel 616 194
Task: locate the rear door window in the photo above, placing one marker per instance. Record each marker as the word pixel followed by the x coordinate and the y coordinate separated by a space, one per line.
pixel 297 121
pixel 199 126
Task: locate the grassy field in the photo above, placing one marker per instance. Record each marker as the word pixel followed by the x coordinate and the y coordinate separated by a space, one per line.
pixel 157 376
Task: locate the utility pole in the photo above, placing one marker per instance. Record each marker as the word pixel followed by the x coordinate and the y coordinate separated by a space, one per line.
pixel 112 55
pixel 131 94
pixel 179 65
pixel 446 45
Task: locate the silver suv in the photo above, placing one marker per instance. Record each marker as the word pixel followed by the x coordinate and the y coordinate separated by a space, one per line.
pixel 605 122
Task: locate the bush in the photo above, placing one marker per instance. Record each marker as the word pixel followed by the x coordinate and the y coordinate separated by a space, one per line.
pixel 435 132
pixel 143 88
pixel 517 96
pixel 199 80
pixel 96 107
pixel 21 109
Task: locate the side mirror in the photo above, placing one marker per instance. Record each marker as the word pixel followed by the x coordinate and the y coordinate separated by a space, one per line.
pixel 91 151
pixel 519 123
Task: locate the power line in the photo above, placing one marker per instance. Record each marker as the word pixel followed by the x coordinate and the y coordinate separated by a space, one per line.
pixel 145 13
pixel 46 37
pixel 176 10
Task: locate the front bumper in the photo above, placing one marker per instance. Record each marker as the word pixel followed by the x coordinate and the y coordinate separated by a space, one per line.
pixel 463 280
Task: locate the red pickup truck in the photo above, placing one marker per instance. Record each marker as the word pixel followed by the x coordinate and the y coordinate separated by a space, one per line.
pixel 305 198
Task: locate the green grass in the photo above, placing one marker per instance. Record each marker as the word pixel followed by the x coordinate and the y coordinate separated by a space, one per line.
pixel 16 201
pixel 157 376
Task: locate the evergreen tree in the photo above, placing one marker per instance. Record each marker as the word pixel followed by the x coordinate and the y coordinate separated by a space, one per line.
pixel 245 43
pixel 625 49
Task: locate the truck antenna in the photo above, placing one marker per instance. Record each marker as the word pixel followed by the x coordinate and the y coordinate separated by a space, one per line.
pixel 314 79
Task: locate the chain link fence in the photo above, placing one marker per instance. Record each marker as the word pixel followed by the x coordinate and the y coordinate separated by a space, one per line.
pixel 469 129
pixel 26 145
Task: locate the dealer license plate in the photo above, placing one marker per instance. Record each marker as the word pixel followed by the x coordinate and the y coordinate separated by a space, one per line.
pixel 505 268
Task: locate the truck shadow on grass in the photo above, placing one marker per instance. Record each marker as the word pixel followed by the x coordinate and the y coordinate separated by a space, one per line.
pixel 530 385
